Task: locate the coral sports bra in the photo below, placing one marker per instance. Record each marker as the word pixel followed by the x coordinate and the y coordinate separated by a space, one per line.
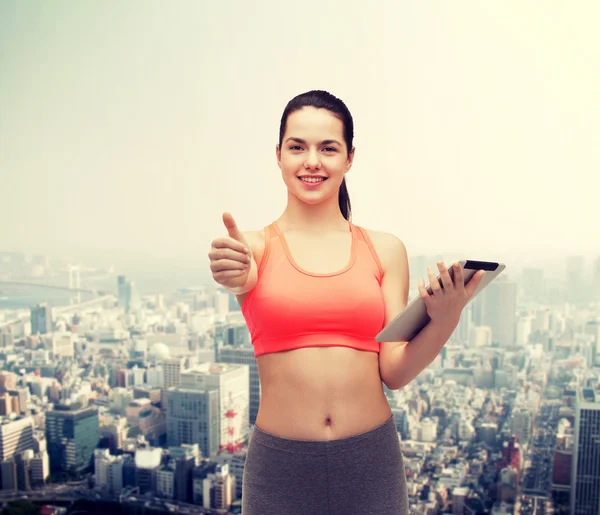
pixel 290 308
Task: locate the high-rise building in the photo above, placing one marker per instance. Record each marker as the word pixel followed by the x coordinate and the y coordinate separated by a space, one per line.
pixel 147 463
pixel 132 299
pixel 243 356
pixel 596 279
pixel 16 436
pixel 172 369
pixel 8 475
pixel 8 381
pixel 63 345
pixel 41 319
pixel 576 290
pixel 234 334
pixel 480 336
pixel 219 488
pixel 199 474
pixel 165 481
pixel 541 322
pixel 521 424
pixel 102 460
pixel 562 465
pixel 477 313
pixel 108 470
pixel 40 468
pixel 221 302
pixel 496 307
pixel 128 295
pixel 592 327
pixel 129 471
pixel 184 467
pixel 72 432
pixel 463 329
pixel 585 477
pixel 121 290
pixel 231 381
pixel 533 283
pixel 193 417
pixel 523 330
pixel 7 337
pixel 155 376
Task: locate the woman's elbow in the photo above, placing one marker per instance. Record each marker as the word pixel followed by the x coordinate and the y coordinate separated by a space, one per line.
pixel 394 383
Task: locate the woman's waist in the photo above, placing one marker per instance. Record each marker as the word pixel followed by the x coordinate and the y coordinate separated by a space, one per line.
pixel 308 418
pixel 324 392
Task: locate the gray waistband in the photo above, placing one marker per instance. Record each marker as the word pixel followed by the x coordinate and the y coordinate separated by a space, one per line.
pixel 386 430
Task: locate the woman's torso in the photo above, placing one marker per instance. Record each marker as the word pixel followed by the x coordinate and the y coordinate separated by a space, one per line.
pixel 318 393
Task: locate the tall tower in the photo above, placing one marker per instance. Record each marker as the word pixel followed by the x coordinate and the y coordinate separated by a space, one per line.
pixel 233 443
pixel 496 307
pixel 75 283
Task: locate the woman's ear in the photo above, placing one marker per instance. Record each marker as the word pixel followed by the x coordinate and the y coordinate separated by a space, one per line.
pixel 278 155
pixel 350 159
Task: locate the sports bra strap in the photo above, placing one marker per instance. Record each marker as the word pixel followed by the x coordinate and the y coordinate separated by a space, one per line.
pixel 269 234
pixel 367 239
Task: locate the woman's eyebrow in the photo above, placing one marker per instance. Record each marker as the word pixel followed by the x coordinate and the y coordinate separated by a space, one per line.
pixel 324 142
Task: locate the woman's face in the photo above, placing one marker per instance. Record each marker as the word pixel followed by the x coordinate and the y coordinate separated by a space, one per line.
pixel 313 157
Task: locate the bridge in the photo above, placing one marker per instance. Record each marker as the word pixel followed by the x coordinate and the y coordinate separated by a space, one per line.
pixel 50 286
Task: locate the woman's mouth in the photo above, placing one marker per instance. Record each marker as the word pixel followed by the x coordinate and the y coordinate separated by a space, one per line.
pixel 312 181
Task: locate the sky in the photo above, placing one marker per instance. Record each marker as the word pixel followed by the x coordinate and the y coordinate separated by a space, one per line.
pixel 127 128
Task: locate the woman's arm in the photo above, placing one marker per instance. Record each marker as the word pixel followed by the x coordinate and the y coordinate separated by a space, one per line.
pixel 401 362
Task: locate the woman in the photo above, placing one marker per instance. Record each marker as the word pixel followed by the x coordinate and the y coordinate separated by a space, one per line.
pixel 315 290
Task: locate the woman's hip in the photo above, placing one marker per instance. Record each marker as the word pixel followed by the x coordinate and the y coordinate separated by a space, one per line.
pixel 363 473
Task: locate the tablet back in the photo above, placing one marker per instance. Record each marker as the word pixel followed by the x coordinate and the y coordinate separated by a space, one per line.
pixel 414 317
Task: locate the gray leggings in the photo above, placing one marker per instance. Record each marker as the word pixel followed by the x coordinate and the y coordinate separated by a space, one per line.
pixel 359 475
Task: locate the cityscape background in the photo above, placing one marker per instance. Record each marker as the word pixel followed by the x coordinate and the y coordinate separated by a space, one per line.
pixel 108 395
pixel 127 377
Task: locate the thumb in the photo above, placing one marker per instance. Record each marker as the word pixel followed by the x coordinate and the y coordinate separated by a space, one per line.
pixel 232 228
pixel 473 284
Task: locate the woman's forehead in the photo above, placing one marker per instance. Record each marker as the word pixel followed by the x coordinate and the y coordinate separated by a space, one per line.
pixel 318 122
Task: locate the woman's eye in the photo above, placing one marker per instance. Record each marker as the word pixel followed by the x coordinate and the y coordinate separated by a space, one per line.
pixel 330 149
pixel 294 147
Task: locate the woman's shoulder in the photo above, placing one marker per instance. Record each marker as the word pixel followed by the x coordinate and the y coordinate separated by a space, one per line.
pixel 256 242
pixel 389 247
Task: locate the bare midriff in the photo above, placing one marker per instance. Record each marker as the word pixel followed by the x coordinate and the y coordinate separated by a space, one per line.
pixel 321 393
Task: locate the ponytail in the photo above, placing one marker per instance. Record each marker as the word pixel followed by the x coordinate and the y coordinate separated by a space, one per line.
pixel 344 200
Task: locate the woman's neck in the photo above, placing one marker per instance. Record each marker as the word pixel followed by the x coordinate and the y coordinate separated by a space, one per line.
pixel 299 215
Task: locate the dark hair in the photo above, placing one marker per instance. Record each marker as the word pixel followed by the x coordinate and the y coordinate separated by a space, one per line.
pixel 324 100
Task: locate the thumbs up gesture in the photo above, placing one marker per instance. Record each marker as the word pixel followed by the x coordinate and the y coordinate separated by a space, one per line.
pixel 231 260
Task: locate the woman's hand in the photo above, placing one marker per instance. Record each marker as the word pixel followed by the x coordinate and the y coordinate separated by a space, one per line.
pixel 231 260
pixel 445 305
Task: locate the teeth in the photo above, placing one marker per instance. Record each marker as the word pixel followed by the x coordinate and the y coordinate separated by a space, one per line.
pixel 312 179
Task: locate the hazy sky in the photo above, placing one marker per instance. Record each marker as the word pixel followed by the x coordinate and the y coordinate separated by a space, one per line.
pixel 127 128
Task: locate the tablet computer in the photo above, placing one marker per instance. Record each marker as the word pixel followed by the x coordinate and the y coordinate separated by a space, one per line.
pixel 414 317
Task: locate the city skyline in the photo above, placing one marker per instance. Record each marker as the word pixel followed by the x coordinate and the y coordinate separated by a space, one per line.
pixel 497 410
pixel 161 277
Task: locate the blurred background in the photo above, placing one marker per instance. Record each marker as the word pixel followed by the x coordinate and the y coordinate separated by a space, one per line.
pixel 127 128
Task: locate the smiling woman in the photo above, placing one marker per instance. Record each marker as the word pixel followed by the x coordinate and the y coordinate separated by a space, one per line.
pixel 315 290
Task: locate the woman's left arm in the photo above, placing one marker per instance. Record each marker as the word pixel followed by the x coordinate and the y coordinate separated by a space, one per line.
pixel 401 362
